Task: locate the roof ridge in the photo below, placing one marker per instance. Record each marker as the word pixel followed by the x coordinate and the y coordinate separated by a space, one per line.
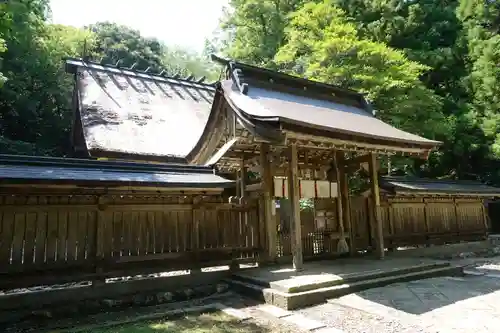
pixel 307 81
pixel 148 73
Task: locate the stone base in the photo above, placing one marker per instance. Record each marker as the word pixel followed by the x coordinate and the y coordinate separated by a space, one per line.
pixel 290 296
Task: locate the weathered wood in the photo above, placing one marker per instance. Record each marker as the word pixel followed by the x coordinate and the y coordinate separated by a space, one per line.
pixel 294 196
pixel 357 160
pixel 267 184
pixel 376 200
pixel 346 202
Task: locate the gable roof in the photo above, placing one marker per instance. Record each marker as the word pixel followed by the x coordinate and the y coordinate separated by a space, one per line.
pixel 138 113
pixel 414 185
pixel 286 102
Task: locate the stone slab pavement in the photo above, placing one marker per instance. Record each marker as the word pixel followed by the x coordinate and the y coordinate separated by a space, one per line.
pixel 445 304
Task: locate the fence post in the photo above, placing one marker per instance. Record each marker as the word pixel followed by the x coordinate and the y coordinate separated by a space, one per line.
pixel 97 254
pixel 196 232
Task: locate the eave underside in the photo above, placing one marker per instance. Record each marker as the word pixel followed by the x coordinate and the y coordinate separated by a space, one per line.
pixel 315 150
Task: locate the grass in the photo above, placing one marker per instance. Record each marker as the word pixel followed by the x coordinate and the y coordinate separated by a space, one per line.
pixel 214 322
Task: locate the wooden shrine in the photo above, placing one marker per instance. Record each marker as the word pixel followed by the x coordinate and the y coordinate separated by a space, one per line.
pixel 280 125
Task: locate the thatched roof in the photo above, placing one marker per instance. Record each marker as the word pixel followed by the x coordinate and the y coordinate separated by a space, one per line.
pixel 135 113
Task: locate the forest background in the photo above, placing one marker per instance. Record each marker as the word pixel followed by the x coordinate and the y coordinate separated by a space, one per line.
pixel 431 67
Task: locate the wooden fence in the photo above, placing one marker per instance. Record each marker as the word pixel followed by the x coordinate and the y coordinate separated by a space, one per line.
pixel 53 239
pixel 406 222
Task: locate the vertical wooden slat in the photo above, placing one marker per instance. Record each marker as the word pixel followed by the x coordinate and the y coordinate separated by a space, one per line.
pixel 151 232
pixel 52 226
pixel 158 231
pixel 6 237
pixel 72 235
pixel 182 231
pixel 91 235
pixel 196 226
pixel 127 233
pixel 41 237
pixel 167 230
pixel 30 238
pixel 99 231
pixel 82 236
pixel 62 235
pixel 18 241
pixel 135 233
pixel 143 239
pixel 176 239
pixel 117 234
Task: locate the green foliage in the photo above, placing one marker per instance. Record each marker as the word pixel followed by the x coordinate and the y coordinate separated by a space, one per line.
pixel 256 28
pixel 429 66
pixel 34 102
pixel 323 45
pixel 120 43
pixel 35 111
pixel 3 48
pixel 306 204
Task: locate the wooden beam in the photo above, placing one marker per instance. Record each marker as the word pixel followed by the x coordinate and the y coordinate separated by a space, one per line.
pixel 357 160
pixel 379 235
pixel 267 187
pixel 294 196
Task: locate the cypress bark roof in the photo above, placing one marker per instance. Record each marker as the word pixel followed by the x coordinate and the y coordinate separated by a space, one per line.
pixel 50 170
pixel 423 185
pixel 136 113
pixel 271 103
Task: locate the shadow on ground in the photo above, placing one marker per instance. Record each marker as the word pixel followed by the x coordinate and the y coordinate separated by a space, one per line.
pixel 420 297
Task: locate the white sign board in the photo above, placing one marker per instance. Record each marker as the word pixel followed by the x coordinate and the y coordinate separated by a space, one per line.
pixel 308 188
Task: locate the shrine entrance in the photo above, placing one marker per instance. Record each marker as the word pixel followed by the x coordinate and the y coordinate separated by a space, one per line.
pixel 289 138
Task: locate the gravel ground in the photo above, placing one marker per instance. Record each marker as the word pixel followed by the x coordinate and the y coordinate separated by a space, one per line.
pixel 352 320
pixel 260 318
pixel 444 305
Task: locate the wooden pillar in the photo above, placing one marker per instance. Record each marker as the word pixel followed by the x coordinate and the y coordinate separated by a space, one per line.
pixel 379 234
pixel 267 188
pixel 242 179
pixel 238 183
pixel 294 196
pixel 343 182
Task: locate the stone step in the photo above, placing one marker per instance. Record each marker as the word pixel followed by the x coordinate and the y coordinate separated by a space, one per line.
pixel 297 300
pixel 308 282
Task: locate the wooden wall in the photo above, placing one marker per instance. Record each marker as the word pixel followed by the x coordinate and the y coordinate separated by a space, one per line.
pixel 407 222
pixel 47 239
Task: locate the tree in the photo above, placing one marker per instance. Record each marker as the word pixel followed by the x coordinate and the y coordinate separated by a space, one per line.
pixel 481 20
pixel 323 45
pixel 35 101
pixel 255 28
pixel 118 43
pixel 3 48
